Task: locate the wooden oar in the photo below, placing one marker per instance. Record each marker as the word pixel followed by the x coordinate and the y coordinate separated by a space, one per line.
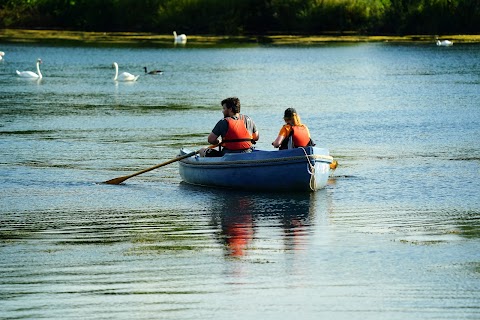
pixel 121 179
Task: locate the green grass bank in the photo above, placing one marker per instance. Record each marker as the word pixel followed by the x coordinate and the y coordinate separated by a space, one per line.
pixel 152 39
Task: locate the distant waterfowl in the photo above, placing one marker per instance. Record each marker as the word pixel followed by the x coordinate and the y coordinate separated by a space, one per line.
pixel 31 74
pixel 180 38
pixel 124 76
pixel 444 43
pixel 1 55
pixel 153 71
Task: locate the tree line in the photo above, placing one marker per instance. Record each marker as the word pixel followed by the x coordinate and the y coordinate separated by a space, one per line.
pixel 247 17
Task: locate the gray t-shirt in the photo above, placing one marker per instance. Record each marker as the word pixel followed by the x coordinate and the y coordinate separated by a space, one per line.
pixel 221 127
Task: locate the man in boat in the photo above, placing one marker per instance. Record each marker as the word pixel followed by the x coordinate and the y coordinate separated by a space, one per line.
pixel 235 133
pixel 293 133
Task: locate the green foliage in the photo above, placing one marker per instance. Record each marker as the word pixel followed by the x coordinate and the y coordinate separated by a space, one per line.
pixel 240 17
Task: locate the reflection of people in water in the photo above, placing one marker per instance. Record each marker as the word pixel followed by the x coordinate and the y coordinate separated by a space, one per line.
pixel 295 229
pixel 236 221
pixel 238 232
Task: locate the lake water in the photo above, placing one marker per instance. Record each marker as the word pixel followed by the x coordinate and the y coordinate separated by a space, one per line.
pixel 394 235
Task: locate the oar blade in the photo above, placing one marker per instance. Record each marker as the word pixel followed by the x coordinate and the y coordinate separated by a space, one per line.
pixel 116 180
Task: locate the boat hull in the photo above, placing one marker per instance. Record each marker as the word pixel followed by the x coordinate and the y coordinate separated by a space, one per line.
pixel 301 169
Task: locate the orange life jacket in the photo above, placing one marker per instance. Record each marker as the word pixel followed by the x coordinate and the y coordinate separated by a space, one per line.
pixel 237 136
pixel 299 136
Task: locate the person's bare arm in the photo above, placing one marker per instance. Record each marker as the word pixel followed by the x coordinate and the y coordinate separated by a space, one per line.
pixel 255 136
pixel 213 138
pixel 278 141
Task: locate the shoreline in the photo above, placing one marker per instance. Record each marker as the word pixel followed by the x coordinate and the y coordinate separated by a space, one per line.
pixel 153 39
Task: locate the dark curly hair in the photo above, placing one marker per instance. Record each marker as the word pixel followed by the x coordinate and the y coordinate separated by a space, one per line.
pixel 232 103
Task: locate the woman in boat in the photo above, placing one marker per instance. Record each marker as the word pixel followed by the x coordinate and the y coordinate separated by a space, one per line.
pixel 293 133
pixel 235 133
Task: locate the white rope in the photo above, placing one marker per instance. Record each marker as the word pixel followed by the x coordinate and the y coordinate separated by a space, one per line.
pixel 311 170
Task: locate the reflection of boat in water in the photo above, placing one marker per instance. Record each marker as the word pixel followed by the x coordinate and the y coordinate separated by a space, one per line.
pixel 241 216
pixel 299 169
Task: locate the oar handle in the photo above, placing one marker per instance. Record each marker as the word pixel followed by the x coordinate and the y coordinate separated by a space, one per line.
pixel 165 163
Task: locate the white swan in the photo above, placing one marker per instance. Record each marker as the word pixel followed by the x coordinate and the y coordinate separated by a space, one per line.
pixel 153 71
pixel 124 76
pixel 30 74
pixel 444 43
pixel 1 55
pixel 180 38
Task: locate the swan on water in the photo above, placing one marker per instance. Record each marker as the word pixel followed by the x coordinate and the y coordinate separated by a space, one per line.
pixel 153 71
pixel 444 43
pixel 182 38
pixel 124 76
pixel 31 74
pixel 1 55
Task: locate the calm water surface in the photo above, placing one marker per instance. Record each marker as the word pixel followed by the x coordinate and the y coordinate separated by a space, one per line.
pixel 395 235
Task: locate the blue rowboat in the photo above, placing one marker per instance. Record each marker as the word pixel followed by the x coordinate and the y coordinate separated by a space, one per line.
pixel 300 169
